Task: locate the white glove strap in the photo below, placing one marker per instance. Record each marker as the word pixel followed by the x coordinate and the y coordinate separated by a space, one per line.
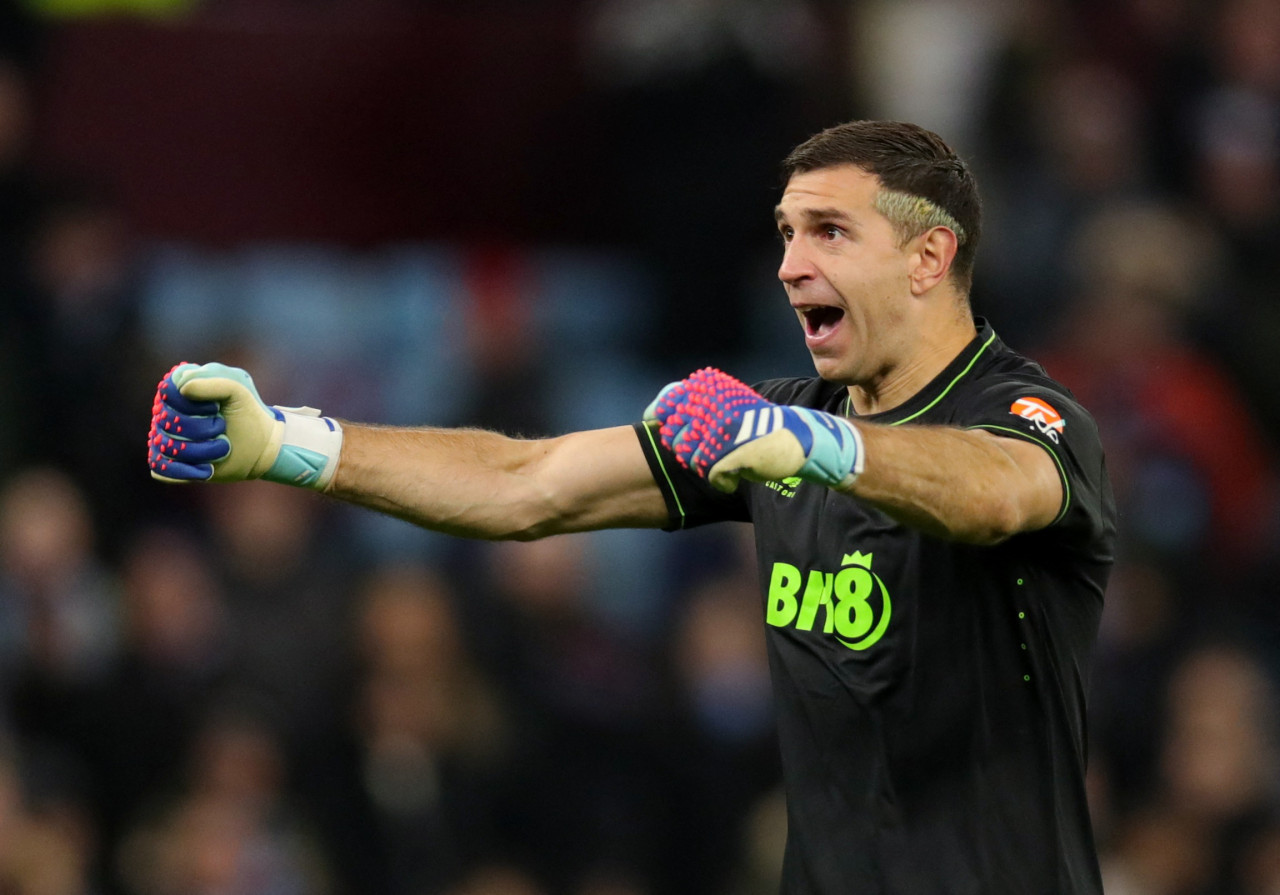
pixel 310 447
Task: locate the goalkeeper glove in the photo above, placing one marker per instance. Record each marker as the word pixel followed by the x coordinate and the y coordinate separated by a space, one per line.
pixel 723 430
pixel 209 424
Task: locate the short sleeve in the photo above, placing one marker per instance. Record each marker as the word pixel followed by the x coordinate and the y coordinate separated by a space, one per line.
pixel 1045 413
pixel 691 501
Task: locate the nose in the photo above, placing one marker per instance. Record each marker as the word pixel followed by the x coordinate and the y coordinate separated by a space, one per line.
pixel 796 265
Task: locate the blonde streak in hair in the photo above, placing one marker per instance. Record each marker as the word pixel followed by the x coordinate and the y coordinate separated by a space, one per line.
pixel 913 215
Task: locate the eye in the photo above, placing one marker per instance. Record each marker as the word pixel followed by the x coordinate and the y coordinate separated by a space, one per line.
pixel 831 231
pixel 786 233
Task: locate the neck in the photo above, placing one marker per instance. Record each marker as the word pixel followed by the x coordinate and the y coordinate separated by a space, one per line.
pixel 930 353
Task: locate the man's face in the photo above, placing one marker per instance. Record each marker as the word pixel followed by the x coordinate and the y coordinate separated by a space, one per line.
pixel 845 273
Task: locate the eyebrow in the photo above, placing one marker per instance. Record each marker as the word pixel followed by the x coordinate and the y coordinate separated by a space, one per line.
pixel 818 215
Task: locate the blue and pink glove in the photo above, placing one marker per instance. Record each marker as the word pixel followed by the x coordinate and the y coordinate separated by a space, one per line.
pixel 209 424
pixel 722 430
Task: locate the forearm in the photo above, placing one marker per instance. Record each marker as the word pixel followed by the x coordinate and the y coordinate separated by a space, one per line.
pixel 463 482
pixel 963 485
pixel 478 484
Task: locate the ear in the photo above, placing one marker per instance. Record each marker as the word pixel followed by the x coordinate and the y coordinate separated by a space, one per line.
pixel 935 250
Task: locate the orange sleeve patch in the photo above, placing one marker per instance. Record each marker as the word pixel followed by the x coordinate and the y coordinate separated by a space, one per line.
pixel 1041 414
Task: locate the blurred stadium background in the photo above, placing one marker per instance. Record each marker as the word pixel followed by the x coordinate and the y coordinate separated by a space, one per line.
pixel 530 215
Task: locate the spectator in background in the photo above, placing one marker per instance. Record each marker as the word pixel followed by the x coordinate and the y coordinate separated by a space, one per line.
pixel 764 845
pixel 1218 782
pixel 85 334
pixel 944 88
pixel 1158 47
pixel 725 755
pixel 230 829
pixel 286 581
pixel 509 364
pixel 405 793
pixel 583 702
pixel 1238 171
pixel 57 604
pixel 730 84
pixel 1144 631
pixel 19 195
pixel 1258 866
pixel 1233 130
pixel 1084 124
pixel 174 660
pixel 40 852
pixel 1158 853
pixel 19 357
pixel 1219 758
pixel 1247 36
pixel 1164 407
pixel 497 880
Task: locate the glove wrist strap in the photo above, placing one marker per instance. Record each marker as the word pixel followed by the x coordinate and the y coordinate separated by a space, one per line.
pixel 836 456
pixel 859 457
pixel 309 449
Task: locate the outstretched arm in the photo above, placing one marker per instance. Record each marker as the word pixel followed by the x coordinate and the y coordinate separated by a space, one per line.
pixel 480 484
pixel 210 424
pixel 966 485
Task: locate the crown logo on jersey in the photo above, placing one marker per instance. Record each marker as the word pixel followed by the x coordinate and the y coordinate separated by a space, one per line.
pixel 857 558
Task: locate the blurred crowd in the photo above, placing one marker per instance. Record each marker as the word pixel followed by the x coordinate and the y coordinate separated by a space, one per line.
pixel 248 690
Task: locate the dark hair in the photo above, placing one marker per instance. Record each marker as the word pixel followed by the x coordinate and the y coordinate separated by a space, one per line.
pixel 907 159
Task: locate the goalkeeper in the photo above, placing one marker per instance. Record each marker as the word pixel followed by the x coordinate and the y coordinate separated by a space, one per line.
pixel 933 520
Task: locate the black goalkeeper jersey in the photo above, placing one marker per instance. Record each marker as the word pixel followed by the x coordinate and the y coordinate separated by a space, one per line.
pixel 930 694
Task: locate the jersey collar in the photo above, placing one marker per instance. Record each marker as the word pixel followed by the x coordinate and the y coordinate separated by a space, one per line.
pixel 925 399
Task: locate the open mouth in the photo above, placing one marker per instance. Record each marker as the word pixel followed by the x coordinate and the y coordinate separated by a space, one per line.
pixel 821 320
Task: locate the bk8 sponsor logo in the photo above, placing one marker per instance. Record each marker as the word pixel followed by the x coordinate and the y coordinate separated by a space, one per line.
pixel 855 604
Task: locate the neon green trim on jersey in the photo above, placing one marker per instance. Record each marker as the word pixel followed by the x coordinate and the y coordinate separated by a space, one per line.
pixel 848 401
pixel 1062 472
pixel 951 384
pixel 657 455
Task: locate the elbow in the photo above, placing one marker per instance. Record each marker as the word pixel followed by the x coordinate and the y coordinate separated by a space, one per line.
pixel 521 520
pixel 1002 519
pixel 538 529
pixel 532 532
pixel 514 526
pixel 538 518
